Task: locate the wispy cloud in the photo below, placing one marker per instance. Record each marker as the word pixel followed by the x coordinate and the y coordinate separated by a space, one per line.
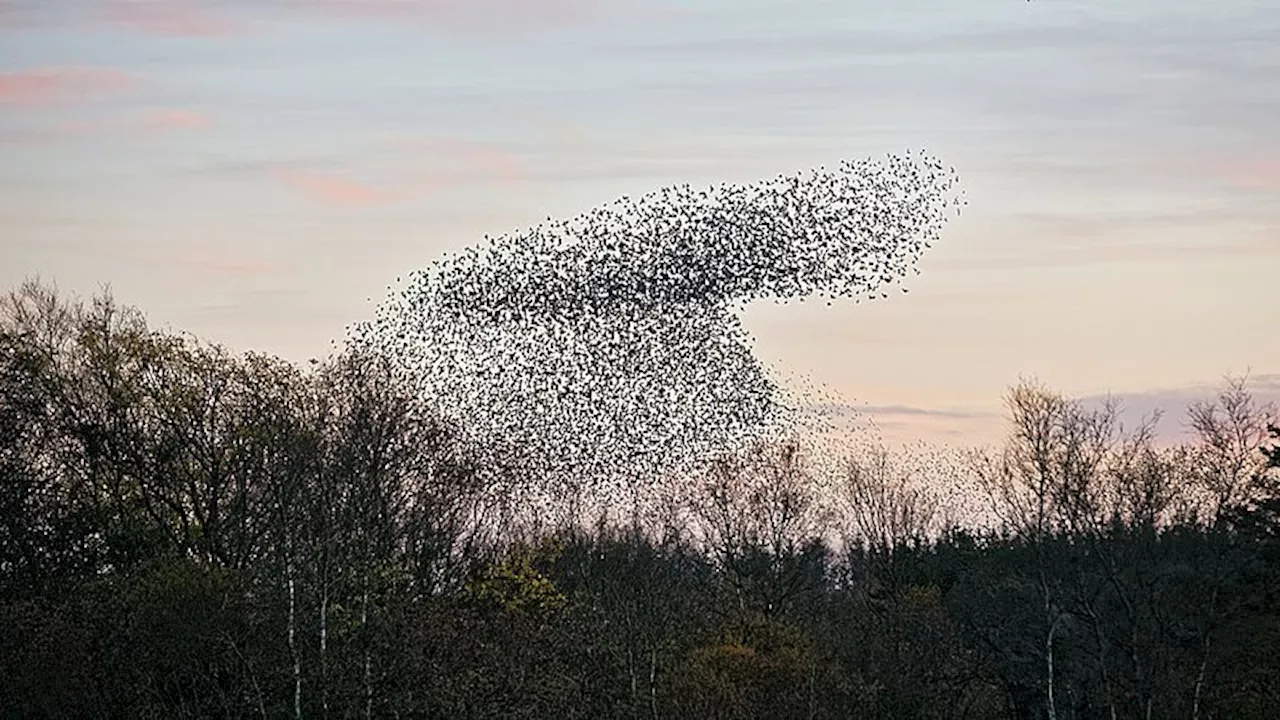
pixel 15 14
pixel 901 411
pixel 195 18
pixel 1085 227
pixel 221 263
pixel 164 120
pixel 905 410
pixel 493 161
pixel 177 18
pixel 254 168
pixel 503 11
pixel 1172 403
pixel 335 189
pixel 890 410
pixel 53 133
pixel 450 160
pixel 1265 383
pixel 43 87
pixel 420 166
pixel 568 136
pixel 155 121
pixel 1255 175
pixel 480 17
pixel 447 162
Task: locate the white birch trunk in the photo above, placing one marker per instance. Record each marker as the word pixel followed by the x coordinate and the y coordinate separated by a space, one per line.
pixel 293 647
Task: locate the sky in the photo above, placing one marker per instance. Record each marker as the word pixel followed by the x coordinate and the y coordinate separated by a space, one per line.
pixel 259 172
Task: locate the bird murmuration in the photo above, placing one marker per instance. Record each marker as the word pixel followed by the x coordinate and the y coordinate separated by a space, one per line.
pixel 606 346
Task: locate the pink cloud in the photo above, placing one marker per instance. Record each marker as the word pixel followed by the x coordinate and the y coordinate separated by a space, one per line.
pixel 191 18
pixel 207 259
pixel 476 16
pixel 58 131
pixel 1262 175
pixel 75 127
pixel 335 189
pixel 452 160
pixel 567 134
pixel 497 162
pixel 222 264
pixel 1173 404
pixel 178 18
pixel 159 120
pixel 487 159
pixel 43 87
pixel 166 120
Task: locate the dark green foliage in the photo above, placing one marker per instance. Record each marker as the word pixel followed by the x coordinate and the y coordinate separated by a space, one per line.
pixel 188 534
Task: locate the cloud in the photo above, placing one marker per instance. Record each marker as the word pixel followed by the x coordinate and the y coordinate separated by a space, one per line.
pixel 173 119
pixel 253 168
pixel 1265 383
pixel 474 17
pixel 447 163
pixel 454 160
pixel 205 259
pixel 44 87
pixel 1172 403
pixel 923 412
pixel 53 133
pixel 493 161
pixel 913 429
pixel 1257 175
pixel 419 166
pixel 175 18
pixel 219 263
pixel 192 18
pixel 158 120
pixel 1202 230
pixel 336 190
pixel 568 136
pixel 15 14
pixel 900 410
pixel 1085 227
pixel 452 9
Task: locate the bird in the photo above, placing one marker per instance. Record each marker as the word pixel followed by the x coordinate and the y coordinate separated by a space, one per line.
pixel 611 339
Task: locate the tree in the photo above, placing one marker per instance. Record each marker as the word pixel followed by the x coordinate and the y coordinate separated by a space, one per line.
pixel 1232 431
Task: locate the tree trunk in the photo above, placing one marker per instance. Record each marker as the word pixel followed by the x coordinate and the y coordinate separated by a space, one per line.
pixel 293 647
pixel 368 665
pixel 1048 642
pixel 1204 658
pixel 813 704
pixel 631 674
pixel 324 648
pixel 653 682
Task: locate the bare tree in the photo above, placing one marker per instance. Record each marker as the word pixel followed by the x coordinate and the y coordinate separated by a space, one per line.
pixel 1232 430
pixel 1047 480
pixel 763 498
pixel 884 501
pixel 1231 470
pixel 759 517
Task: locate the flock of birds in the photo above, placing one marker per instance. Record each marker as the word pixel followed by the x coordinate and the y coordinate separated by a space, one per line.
pixel 607 347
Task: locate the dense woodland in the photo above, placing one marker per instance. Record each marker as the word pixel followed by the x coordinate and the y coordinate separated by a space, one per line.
pixel 189 533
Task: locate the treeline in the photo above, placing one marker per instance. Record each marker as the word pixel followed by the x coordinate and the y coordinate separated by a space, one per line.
pixel 188 533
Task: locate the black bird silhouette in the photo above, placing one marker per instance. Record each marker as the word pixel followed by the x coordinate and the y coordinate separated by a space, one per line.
pixel 608 344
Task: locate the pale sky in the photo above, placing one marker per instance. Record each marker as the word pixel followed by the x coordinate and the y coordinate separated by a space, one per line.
pixel 258 172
